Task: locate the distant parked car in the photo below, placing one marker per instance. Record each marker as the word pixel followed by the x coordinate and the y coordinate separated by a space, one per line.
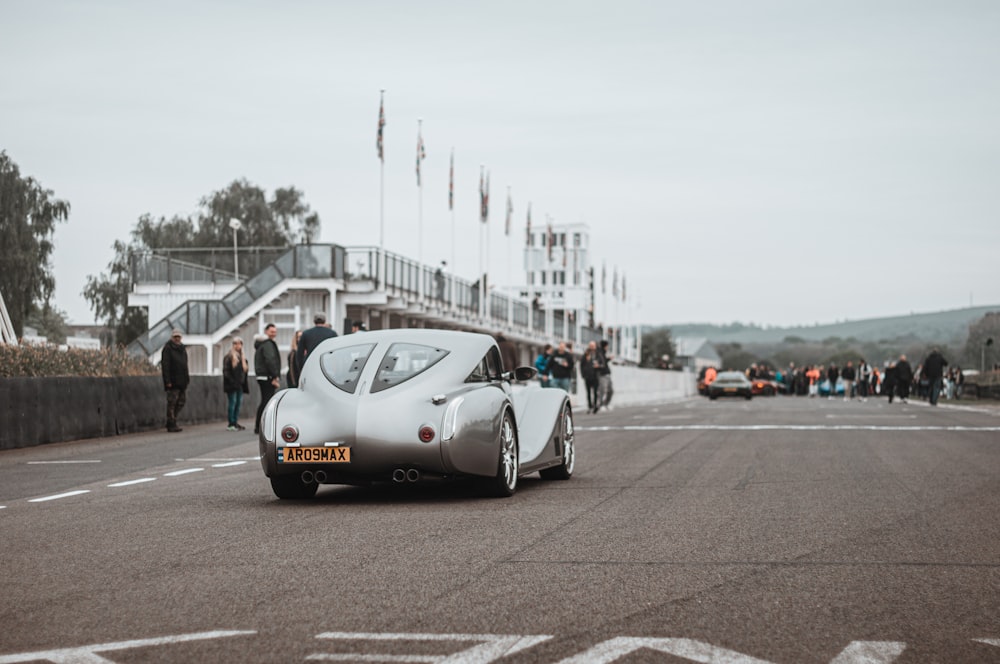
pixel 764 387
pixel 730 384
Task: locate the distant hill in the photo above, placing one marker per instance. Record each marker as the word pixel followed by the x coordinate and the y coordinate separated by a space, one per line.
pixel 941 326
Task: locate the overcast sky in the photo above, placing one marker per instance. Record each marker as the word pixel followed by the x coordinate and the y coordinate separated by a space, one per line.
pixel 772 162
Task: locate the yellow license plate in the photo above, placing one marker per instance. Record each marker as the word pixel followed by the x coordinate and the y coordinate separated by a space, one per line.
pixel 314 455
pixel 731 389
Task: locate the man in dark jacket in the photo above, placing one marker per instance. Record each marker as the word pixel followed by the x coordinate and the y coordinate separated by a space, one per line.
pixel 562 368
pixel 311 338
pixel 934 371
pixel 904 376
pixel 174 366
pixel 267 365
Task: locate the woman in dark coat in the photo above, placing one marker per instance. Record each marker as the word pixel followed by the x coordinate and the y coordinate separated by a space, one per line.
pixel 234 381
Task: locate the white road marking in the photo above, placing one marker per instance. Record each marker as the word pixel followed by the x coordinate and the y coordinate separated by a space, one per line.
pixel 68 494
pixel 88 654
pixel 131 482
pixel 989 642
pixel 3 507
pixel 41 463
pixel 782 427
pixel 858 652
pixel 177 473
pixel 228 464
pixel 870 652
pixel 496 646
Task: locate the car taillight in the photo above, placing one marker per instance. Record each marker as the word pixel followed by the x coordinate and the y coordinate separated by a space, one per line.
pixel 426 434
pixel 289 434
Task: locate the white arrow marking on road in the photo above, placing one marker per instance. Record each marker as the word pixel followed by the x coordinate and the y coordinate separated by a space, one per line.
pixel 697 651
pixel 858 652
pixel 870 652
pixel 131 482
pixel 227 465
pixel 68 494
pixel 495 647
pixel 177 473
pixel 88 654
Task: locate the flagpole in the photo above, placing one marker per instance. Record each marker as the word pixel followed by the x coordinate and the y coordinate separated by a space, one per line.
pixel 381 193
pixel 451 207
pixel 510 278
pixel 482 222
pixel 486 276
pixel 420 212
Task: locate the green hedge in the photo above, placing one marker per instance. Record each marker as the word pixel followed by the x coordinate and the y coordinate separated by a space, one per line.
pixel 37 361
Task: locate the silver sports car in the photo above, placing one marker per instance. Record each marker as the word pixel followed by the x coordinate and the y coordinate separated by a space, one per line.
pixel 410 404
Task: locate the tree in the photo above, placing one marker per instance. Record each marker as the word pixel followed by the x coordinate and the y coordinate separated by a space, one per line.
pixel 50 322
pixel 283 221
pixel 979 353
pixel 655 344
pixel 28 216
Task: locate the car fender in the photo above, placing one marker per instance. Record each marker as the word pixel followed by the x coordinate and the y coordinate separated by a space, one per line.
pixel 537 411
pixel 474 448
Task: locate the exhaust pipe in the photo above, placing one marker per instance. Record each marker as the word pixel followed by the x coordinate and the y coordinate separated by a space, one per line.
pixel 320 476
pixel 307 477
pixel 399 475
pixel 413 475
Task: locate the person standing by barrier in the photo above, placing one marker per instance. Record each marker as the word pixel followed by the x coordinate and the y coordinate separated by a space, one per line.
pixel 904 376
pixel 542 365
pixel 234 381
pixel 174 366
pixel 589 365
pixel 848 374
pixel 889 380
pixel 562 367
pixel 605 387
pixel 292 373
pixel 864 379
pixel 812 373
pixel 267 366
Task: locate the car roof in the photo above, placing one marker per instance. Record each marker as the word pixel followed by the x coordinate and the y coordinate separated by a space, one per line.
pixel 471 345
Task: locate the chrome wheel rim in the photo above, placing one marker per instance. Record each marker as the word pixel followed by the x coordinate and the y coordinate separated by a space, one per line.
pixel 508 454
pixel 569 449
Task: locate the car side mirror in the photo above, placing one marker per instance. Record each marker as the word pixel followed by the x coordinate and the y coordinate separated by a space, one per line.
pixel 525 373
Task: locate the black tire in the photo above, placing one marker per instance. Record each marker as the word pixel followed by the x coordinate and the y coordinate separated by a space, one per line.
pixel 712 397
pixel 291 487
pixel 749 396
pixel 567 444
pixel 504 483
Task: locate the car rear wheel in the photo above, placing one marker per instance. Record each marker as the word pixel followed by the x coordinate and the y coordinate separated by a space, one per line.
pixel 291 487
pixel 504 484
pixel 565 470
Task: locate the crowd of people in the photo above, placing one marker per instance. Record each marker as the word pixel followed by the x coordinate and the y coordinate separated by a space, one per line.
pixel 556 367
pixel 894 379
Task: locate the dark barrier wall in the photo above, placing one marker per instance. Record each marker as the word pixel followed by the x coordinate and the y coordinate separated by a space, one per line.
pixel 35 411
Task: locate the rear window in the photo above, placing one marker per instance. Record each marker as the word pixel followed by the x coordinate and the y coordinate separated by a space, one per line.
pixel 343 366
pixel 403 362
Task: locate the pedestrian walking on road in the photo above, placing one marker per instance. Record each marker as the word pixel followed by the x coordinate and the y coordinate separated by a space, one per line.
pixel 235 369
pixel 590 364
pixel 562 367
pixel 174 366
pixel 605 388
pixel 542 365
pixel 934 371
pixel 267 366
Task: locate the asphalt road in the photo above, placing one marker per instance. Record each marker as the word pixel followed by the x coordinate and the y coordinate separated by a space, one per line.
pixel 780 530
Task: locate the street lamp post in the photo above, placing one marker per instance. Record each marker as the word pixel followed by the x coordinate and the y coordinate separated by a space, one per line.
pixel 236 225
